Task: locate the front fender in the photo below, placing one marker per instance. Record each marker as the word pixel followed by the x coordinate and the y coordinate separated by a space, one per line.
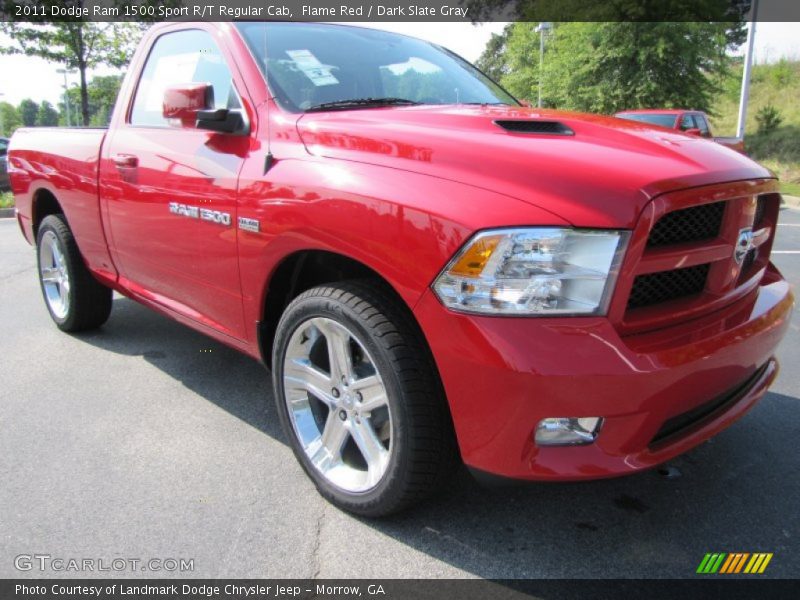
pixel 404 226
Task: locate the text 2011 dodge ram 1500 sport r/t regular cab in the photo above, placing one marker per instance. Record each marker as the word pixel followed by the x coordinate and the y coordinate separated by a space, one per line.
pixel 430 269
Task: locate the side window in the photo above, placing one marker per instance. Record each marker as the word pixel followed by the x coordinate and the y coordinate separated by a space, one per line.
pixel 3 147
pixel 702 125
pixel 176 58
pixel 687 122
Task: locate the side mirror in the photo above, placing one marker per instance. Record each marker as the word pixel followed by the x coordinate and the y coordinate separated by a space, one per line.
pixel 193 104
pixel 692 131
pixel 187 101
pixel 222 120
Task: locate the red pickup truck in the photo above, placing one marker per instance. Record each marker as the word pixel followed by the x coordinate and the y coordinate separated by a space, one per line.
pixel 432 271
pixel 691 122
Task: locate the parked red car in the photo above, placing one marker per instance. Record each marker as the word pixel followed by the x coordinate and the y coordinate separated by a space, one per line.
pixel 693 122
pixel 430 269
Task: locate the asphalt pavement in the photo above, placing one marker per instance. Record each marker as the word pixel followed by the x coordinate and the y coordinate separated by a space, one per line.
pixel 146 440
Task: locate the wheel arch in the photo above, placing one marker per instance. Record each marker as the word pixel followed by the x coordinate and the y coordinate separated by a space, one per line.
pixel 301 271
pixel 44 204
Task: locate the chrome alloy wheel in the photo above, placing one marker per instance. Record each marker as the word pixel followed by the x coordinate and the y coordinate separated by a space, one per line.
pixel 54 273
pixel 337 404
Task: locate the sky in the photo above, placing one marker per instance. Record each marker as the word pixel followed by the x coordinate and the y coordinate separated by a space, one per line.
pixel 26 77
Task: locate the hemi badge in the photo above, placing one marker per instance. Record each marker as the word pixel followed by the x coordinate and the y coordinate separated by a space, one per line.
pixel 249 224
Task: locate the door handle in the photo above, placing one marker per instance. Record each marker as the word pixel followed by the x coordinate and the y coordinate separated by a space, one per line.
pixel 125 160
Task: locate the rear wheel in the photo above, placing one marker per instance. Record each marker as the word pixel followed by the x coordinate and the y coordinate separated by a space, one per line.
pixel 360 400
pixel 75 299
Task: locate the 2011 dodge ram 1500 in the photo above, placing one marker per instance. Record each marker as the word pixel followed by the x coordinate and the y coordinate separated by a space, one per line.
pixel 431 270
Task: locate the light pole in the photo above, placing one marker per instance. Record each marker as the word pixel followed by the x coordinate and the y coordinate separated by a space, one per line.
pixel 541 29
pixel 748 65
pixel 66 94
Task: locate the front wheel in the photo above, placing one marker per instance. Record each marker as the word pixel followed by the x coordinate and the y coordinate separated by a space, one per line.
pixel 360 400
pixel 75 299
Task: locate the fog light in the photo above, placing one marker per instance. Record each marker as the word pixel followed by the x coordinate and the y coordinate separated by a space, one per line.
pixel 567 431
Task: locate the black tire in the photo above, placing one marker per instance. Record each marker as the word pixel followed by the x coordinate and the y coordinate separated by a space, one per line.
pixel 89 302
pixel 423 451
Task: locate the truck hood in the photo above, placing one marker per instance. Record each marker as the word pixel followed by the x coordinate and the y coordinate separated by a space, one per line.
pixel 597 172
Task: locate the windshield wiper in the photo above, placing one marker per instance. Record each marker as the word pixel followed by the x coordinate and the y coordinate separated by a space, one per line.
pixel 361 103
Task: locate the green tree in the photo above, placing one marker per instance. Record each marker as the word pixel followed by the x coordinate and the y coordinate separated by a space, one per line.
pixel 521 58
pixel 768 118
pixel 101 118
pixel 606 67
pixel 77 45
pixel 102 94
pixel 492 60
pixel 10 120
pixel 48 116
pixel 28 109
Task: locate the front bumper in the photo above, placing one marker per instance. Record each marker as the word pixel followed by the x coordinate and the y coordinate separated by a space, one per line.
pixel 659 393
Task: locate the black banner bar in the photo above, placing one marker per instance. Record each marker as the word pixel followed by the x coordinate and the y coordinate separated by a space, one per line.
pixel 397 10
pixel 722 587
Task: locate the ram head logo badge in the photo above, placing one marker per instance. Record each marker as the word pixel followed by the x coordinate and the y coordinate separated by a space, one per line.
pixel 744 244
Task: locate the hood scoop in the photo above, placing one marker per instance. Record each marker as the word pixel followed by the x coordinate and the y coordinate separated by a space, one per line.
pixel 535 127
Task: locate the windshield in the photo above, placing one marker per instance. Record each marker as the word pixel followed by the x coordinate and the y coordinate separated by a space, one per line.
pixel 667 121
pixel 312 64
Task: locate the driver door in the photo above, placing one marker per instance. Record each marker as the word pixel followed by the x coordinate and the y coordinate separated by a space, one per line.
pixel 160 182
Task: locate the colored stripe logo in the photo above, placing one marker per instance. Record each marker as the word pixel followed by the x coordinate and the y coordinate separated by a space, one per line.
pixel 734 562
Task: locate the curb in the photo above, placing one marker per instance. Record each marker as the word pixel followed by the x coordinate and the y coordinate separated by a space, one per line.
pixel 7 213
pixel 792 201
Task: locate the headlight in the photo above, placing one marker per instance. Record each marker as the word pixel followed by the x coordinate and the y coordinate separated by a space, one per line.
pixel 533 272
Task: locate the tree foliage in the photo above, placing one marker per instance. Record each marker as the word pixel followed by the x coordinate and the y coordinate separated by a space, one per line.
pixel 28 109
pixel 76 45
pixel 492 60
pixel 48 116
pixel 768 118
pixel 102 94
pixel 9 119
pixel 607 67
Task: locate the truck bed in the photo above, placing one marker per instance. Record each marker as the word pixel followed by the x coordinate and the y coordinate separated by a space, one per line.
pixel 63 161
